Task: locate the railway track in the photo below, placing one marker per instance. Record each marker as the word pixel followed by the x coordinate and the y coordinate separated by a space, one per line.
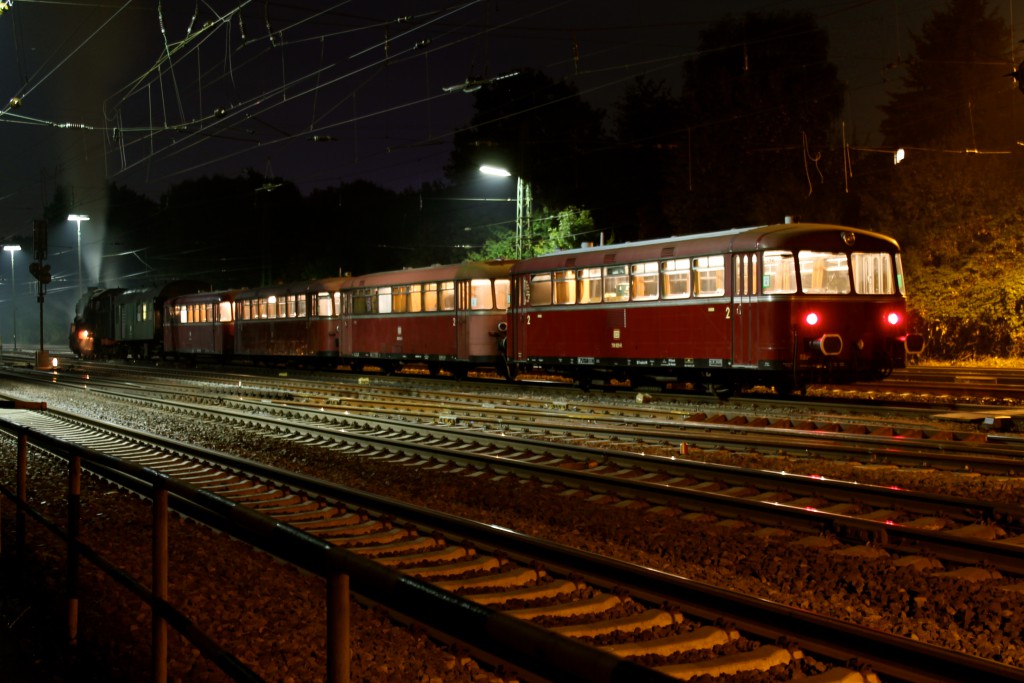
pixel 684 628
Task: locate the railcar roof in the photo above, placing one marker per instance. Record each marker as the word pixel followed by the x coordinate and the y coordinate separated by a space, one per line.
pixel 455 271
pixel 790 236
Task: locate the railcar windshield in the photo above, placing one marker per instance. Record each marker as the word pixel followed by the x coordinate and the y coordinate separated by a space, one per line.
pixel 824 272
pixel 873 274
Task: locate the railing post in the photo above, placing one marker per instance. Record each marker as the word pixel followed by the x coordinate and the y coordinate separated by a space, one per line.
pixel 339 636
pixel 160 573
pixel 19 539
pixel 74 526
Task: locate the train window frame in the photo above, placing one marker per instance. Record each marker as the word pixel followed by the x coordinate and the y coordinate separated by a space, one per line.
pixel 502 293
pixel 415 295
pixel 710 275
pixel 898 259
pixel 430 297
pixel 323 304
pixel 588 291
pixel 675 272
pixel 399 299
pixel 481 294
pixel 224 312
pixel 872 273
pixel 824 272
pixel 383 299
pixel 563 287
pixel 539 290
pixel 616 283
pixel 446 295
pixel 778 272
pixel 644 277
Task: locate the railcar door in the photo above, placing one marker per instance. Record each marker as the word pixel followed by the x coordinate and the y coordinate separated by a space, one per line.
pixel 461 320
pixel 744 310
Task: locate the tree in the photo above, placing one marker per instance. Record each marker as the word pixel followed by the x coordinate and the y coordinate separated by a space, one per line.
pixel 761 103
pixel 649 134
pixel 551 232
pixel 956 93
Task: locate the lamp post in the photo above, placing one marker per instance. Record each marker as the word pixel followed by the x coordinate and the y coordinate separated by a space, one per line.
pixel 14 305
pixel 78 218
pixel 524 203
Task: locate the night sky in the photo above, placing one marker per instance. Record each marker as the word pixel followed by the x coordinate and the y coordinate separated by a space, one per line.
pixel 322 93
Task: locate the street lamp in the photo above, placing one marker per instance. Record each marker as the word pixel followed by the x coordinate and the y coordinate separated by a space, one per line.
pixel 78 218
pixel 14 306
pixel 524 203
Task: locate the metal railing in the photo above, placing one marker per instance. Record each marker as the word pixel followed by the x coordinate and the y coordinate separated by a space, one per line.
pixel 545 655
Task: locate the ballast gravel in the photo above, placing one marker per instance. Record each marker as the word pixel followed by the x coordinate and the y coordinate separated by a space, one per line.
pixel 272 616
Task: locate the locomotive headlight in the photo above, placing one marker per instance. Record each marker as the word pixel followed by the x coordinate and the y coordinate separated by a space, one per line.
pixel 83 335
pixel 812 319
pixel 893 318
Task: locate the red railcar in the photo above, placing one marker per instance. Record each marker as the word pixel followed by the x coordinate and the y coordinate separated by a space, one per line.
pixel 200 324
pixel 445 317
pixel 298 321
pixel 781 305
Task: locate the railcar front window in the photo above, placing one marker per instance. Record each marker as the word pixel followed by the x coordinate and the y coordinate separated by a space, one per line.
pixel 824 272
pixel 710 275
pixel 872 273
pixel 899 275
pixel 779 273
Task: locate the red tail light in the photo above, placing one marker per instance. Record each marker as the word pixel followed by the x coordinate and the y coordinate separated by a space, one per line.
pixel 812 319
pixel 893 318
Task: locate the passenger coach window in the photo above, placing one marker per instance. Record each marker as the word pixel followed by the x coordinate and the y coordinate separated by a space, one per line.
pixel 481 296
pixel 675 279
pixel 710 275
pixel 323 304
pixel 430 296
pixel 540 289
pixel 415 298
pixel 616 283
pixel 590 285
pixel 565 287
pixel 400 299
pixel 502 293
pixel 824 273
pixel 384 300
pixel 872 273
pixel 224 311
pixel 645 281
pixel 447 294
